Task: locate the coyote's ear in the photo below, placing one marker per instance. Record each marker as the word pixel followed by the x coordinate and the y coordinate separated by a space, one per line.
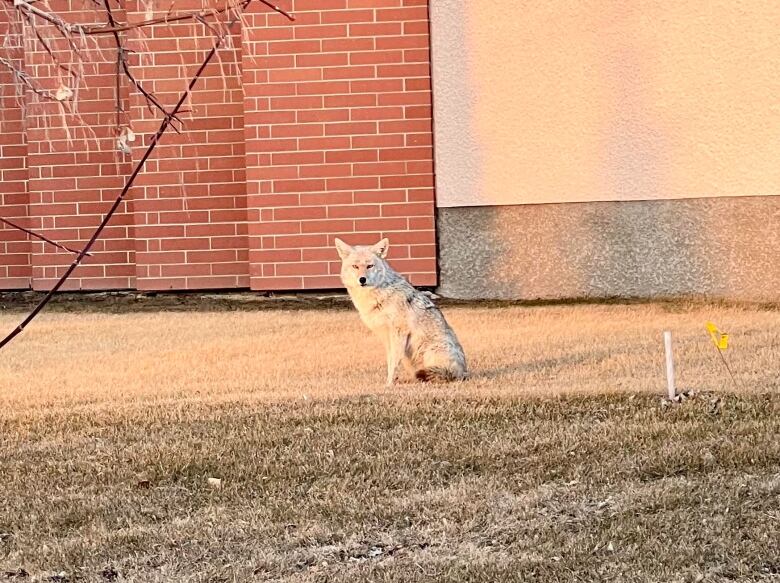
pixel 343 249
pixel 380 249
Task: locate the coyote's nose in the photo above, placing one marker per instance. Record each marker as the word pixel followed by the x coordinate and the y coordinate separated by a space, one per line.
pixel 362 281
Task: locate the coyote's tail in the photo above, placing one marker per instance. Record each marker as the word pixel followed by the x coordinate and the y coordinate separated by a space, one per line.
pixel 439 374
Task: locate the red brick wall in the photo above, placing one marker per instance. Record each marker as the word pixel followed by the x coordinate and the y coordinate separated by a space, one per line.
pixel 74 169
pixel 190 202
pixel 329 136
pixel 15 270
pixel 338 124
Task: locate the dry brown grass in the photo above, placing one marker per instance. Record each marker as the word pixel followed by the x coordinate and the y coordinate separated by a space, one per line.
pixel 555 462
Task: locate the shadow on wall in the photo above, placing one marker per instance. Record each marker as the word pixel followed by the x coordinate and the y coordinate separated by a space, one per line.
pixel 723 247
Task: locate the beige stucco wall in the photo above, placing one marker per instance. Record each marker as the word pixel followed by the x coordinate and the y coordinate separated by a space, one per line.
pixel 605 100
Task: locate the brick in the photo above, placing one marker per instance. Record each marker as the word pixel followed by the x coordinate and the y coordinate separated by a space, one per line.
pixel 379 168
pixel 375 29
pixel 407 209
pixel 184 244
pixel 420 224
pixel 356 183
pixel 347 45
pixel 276 145
pixel 322 60
pixel 405 126
pixel 209 230
pixel 323 115
pixel 299 241
pixel 277 283
pixel 347 16
pixel 327 143
pixel 326 198
pixel 353 211
pixel 381 224
pixel 321 254
pixel 418 13
pixel 231 268
pixel 298 158
pixel 324 87
pixel 318 268
pixel 417 84
pixel 417 111
pixel 297 130
pixel 376 57
pixel 424 139
pixel 294 47
pixel 160 258
pixel 378 141
pixel 375 86
pixel 353 72
pixel 326 171
pixel 415 42
pixel 297 102
pixel 421 27
pixel 405 70
pixel 410 181
pixel 351 156
pixel 412 98
pixel 300 213
pixel 327 226
pixel 361 100
pixel 283 75
pixel 299 185
pixel 350 128
pixel 271 62
pixel 419 167
pixel 417 56
pixel 320 32
pixel 379 196
pixel 422 153
pixel 277 255
pixel 377 113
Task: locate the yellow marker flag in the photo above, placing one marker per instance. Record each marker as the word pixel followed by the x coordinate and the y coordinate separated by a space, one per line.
pixel 719 339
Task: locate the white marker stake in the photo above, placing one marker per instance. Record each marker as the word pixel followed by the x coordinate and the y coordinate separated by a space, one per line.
pixel 669 365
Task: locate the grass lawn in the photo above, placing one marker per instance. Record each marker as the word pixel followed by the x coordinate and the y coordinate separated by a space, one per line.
pixel 555 462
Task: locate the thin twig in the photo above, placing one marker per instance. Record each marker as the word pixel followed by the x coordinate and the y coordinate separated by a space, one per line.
pixel 41 237
pixel 728 368
pixel 96 29
pixel 25 80
pixel 168 19
pixel 119 59
pixel 47 48
pixel 122 63
pixel 66 29
pixel 166 122
pixel 150 98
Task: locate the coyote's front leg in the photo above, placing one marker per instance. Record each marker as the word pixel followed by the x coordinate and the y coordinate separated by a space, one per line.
pixel 397 346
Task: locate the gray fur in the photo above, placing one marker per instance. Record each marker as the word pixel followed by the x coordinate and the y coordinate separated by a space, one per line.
pixel 412 328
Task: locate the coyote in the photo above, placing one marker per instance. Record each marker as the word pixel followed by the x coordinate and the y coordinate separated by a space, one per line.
pixel 412 328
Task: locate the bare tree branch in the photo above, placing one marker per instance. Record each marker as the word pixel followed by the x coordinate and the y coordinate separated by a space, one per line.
pixel 66 29
pixel 46 47
pixel 96 29
pixel 25 80
pixel 41 237
pixel 168 19
pixel 164 125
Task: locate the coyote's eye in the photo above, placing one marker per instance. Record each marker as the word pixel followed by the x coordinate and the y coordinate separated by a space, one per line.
pixel 370 266
pixel 356 267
